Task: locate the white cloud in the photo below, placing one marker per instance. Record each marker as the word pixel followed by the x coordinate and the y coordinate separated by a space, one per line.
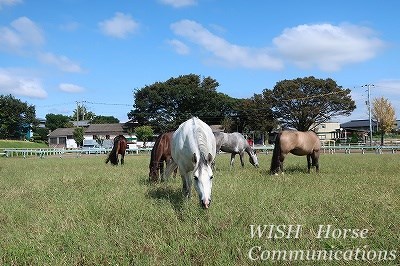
pixel 179 3
pixel 223 51
pixel 179 47
pixel 119 26
pixel 11 83
pixel 61 62
pixel 9 3
pixel 326 46
pixel 323 46
pixel 71 88
pixel 22 32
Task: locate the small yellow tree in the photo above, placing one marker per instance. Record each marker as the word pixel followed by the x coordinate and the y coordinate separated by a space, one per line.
pixel 383 112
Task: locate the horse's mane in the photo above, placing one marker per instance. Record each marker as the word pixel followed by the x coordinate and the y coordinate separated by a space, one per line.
pixel 201 139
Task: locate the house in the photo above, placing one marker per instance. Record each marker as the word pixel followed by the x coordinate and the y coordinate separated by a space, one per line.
pixel 327 131
pixel 105 133
pixel 62 138
pixel 359 126
pixel 94 135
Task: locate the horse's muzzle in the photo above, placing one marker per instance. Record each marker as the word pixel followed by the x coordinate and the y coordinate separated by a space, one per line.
pixel 205 203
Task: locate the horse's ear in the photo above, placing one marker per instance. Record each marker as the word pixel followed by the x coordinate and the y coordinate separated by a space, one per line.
pixel 194 158
pixel 209 158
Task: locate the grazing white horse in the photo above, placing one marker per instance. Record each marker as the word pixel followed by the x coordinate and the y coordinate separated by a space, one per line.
pixel 235 143
pixel 193 152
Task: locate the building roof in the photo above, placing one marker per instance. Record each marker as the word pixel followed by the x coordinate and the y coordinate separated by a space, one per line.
pixel 357 124
pixel 62 132
pixel 105 129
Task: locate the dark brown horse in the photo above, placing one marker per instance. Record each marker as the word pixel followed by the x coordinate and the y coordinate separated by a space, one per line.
pixel 297 143
pixel 160 153
pixel 120 146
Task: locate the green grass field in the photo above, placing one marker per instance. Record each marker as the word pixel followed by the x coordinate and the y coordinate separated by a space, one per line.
pixel 4 144
pixel 79 211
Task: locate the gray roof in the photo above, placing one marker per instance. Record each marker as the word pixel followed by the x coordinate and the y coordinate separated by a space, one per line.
pixel 62 132
pixel 109 129
pixel 357 124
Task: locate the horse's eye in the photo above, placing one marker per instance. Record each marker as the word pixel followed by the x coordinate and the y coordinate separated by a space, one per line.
pixel 196 178
pixel 211 177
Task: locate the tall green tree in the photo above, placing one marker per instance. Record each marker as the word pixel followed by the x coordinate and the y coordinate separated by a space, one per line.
pixel 101 119
pixel 304 102
pixel 54 121
pixel 78 136
pixel 144 133
pixel 81 113
pixel 384 113
pixel 256 113
pixel 16 117
pixel 165 105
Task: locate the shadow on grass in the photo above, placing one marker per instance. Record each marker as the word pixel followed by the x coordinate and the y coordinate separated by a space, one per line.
pixel 298 169
pixel 174 196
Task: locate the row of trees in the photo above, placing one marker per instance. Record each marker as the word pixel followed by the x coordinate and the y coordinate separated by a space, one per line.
pixel 299 103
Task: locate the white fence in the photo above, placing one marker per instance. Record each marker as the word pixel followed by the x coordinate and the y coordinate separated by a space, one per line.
pixel 267 149
pixel 43 152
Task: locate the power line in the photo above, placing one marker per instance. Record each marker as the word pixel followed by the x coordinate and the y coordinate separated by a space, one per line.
pixel 120 104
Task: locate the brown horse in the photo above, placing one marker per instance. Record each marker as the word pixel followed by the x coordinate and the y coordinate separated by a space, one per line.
pixel 120 146
pixel 297 143
pixel 160 153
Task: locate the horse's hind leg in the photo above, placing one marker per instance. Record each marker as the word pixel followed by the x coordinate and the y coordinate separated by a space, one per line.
pixel 309 162
pixel 315 160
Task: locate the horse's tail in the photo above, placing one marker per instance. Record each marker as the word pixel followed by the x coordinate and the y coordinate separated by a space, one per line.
pixel 113 155
pixel 275 161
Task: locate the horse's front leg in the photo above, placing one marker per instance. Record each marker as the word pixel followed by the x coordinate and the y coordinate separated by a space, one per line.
pixel 232 158
pixel 241 158
pixel 281 159
pixel 160 169
pixel 186 184
pixel 315 158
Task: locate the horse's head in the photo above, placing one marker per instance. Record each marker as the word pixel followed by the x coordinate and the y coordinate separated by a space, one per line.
pixel 253 159
pixel 203 175
pixel 153 173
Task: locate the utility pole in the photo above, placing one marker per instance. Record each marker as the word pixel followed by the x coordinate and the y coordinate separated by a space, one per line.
pixel 77 114
pixel 369 111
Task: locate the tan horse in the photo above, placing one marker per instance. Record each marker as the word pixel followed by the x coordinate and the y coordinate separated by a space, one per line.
pixel 297 143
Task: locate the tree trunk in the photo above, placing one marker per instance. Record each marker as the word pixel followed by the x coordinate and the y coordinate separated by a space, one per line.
pixel 382 133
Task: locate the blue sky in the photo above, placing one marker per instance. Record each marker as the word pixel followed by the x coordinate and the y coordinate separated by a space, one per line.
pixel 57 52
